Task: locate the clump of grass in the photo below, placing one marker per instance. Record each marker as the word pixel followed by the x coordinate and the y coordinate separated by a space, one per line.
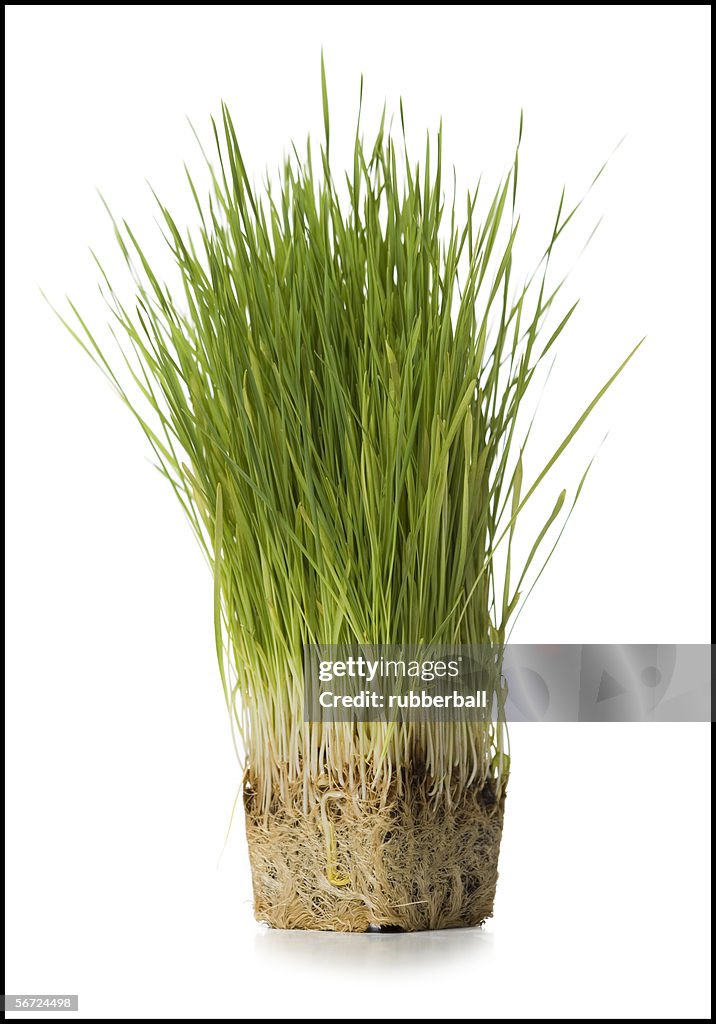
pixel 334 395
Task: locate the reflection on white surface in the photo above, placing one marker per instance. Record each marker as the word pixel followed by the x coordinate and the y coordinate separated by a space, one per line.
pixel 377 952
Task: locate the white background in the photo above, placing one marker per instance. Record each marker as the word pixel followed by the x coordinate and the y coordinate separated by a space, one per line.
pixel 120 771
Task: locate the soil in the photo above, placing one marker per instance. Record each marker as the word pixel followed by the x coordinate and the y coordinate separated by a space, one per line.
pixel 338 860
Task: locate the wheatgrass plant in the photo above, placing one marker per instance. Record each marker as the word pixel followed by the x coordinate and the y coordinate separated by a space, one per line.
pixel 334 395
